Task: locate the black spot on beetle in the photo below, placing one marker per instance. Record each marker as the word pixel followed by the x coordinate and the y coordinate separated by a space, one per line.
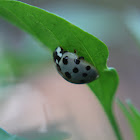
pixel 75 70
pixel 84 74
pixel 77 61
pixel 65 60
pixel 88 67
pixel 68 75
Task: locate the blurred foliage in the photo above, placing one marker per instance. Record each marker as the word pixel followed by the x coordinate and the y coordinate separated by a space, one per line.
pixel 6 72
pixel 51 132
pixel 50 135
pixel 132 22
pixel 6 136
pixel 18 63
pixel 133 116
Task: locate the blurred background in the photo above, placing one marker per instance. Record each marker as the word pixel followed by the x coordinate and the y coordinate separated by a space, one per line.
pixel 31 102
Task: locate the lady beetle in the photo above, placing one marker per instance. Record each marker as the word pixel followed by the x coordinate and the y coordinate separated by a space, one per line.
pixel 73 68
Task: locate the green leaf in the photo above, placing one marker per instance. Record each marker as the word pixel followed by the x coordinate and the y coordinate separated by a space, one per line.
pixel 133 116
pixel 104 88
pixel 6 136
pixel 54 31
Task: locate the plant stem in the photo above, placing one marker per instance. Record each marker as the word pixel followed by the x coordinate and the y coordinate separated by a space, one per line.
pixel 114 124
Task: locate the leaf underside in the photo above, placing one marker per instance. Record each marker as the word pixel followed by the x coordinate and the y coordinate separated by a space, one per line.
pixel 54 31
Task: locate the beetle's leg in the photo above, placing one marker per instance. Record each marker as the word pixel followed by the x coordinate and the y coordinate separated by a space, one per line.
pixel 75 51
pixel 65 52
pixel 81 57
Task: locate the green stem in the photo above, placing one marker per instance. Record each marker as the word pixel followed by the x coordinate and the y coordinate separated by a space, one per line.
pixel 114 124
